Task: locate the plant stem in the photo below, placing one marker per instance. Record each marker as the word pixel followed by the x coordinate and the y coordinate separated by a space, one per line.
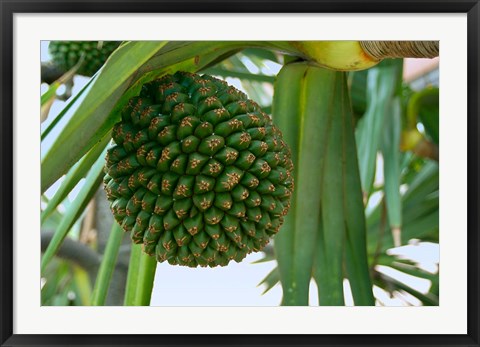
pixel 146 275
pixel 132 276
pixel 107 266
pixel 83 284
pixel 141 273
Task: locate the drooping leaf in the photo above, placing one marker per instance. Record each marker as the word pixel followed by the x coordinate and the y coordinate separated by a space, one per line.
pixel 356 259
pixel 428 299
pixel 420 205
pixel 107 266
pixel 391 168
pixel 381 85
pixel 301 104
pixel 270 280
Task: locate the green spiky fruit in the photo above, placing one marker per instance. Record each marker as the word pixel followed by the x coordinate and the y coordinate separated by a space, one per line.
pixel 66 54
pixel 199 174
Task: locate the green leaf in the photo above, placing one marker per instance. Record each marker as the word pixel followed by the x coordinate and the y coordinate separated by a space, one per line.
pixel 241 75
pixel 381 85
pixel 317 107
pixel 266 256
pixel 107 265
pixel 73 212
pixel 312 108
pixel 425 226
pixel 356 259
pixel 267 109
pixel 422 227
pixel 82 131
pixel 391 168
pixel 412 270
pixel 56 275
pixel 428 299
pixel 77 172
pixel 62 299
pixel 285 109
pixel 270 280
pixel 302 102
pixel 47 100
pixel 428 205
pixel 331 236
pixel 424 183
pixel 261 54
pixel 82 285
pixel 52 221
pixel 49 94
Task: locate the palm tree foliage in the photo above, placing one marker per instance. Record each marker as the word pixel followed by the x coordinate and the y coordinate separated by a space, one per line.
pixel 390 158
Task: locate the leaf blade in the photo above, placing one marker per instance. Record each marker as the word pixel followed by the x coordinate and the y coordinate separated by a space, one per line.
pixel 356 236
pixel 381 84
pixel 107 88
pixel 73 177
pixel 107 266
pixel 92 182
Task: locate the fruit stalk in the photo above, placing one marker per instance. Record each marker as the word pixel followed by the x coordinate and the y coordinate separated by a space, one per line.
pixel 400 49
pixel 360 55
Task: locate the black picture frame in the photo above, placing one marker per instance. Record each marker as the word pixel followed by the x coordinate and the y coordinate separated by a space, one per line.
pixel 9 7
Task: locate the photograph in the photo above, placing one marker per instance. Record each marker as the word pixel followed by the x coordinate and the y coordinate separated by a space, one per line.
pixel 240 173
pixel 203 173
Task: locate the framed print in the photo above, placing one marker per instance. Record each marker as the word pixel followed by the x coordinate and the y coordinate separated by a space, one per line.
pixel 277 173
